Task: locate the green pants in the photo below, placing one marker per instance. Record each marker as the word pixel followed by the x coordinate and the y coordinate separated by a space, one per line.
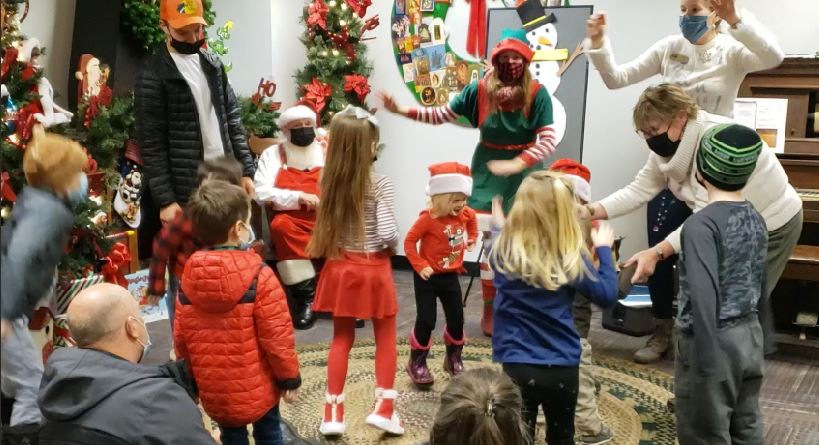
pixel 486 186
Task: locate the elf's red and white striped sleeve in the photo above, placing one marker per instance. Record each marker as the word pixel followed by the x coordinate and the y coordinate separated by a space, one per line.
pixel 543 148
pixel 433 115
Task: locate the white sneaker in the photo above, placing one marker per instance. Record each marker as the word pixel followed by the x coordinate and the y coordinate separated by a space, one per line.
pixel 334 411
pixel 379 419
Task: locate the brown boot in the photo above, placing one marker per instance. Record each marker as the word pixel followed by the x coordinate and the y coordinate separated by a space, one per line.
pixel 658 345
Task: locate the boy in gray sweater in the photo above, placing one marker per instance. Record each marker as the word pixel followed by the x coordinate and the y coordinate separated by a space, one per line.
pixel 719 359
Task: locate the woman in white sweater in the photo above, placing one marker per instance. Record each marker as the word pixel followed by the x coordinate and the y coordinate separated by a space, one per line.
pixel 709 66
pixel 673 125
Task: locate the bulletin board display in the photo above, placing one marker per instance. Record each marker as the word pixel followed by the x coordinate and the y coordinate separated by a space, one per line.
pixel 428 65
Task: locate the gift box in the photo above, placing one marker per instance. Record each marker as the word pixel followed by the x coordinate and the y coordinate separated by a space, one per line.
pixel 67 289
pixel 138 287
pixel 129 239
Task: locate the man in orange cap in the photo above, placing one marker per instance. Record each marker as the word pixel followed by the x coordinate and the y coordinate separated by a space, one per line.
pixel 186 111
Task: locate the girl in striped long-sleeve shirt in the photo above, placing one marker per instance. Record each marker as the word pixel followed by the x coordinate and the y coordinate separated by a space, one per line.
pixel 514 115
pixel 356 232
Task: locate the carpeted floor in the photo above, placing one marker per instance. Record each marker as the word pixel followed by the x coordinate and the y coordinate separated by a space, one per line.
pixel 633 395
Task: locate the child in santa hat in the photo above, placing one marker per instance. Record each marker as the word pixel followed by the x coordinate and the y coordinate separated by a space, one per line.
pixel 445 230
pixel 589 424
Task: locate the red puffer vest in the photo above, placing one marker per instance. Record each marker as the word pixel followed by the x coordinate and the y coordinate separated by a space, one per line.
pixel 233 326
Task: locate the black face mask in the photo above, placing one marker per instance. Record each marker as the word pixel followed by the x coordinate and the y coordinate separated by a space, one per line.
pixel 302 136
pixel 663 146
pixel 185 47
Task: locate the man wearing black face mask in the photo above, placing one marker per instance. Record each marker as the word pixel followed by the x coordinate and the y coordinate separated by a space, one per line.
pixel 287 181
pixel 185 112
pixel 99 392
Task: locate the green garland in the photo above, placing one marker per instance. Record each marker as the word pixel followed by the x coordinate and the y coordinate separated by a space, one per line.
pixel 141 19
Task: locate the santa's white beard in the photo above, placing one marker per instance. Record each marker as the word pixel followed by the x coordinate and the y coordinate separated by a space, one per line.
pixel 304 157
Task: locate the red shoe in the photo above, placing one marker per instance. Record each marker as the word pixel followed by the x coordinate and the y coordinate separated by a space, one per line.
pixel 333 423
pixel 384 416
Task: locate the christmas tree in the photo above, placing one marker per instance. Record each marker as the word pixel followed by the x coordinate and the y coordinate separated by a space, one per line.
pixel 102 137
pixel 337 69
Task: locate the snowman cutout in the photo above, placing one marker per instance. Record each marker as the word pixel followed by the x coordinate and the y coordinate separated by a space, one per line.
pixel 542 36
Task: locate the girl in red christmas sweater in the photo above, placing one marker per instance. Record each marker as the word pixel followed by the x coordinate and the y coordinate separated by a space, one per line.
pixel 445 230
pixel 356 232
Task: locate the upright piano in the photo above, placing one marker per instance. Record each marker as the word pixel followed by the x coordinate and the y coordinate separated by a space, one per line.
pixel 796 298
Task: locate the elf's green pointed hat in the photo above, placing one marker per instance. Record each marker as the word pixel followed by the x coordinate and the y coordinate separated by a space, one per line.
pixel 513 40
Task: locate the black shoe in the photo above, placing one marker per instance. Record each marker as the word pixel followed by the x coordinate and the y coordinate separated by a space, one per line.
pixel 302 311
pixel 359 323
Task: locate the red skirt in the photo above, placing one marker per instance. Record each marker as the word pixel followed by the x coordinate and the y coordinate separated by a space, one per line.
pixel 357 285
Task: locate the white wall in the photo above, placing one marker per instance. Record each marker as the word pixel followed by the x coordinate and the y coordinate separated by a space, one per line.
pixel 612 150
pixel 52 23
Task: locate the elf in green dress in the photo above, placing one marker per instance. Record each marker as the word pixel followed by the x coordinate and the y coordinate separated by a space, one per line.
pixel 514 115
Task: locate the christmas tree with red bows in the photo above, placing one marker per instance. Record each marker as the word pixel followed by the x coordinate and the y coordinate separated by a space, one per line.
pixel 337 69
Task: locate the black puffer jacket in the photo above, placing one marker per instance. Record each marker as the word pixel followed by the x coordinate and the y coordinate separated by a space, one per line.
pixel 167 125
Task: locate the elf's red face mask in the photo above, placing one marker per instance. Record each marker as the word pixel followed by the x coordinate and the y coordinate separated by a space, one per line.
pixel 509 72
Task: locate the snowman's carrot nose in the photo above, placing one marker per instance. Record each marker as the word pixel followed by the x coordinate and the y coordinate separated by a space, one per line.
pixel 544 41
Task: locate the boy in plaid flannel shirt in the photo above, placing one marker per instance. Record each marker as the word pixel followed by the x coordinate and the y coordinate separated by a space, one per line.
pixel 176 243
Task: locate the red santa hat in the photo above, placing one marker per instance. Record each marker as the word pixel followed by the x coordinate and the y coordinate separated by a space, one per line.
pixel 578 173
pixel 449 177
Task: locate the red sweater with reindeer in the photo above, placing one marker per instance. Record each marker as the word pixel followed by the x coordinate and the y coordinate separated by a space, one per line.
pixel 443 241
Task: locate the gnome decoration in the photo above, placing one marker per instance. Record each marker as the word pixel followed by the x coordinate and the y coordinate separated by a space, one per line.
pixel 542 36
pixel 131 185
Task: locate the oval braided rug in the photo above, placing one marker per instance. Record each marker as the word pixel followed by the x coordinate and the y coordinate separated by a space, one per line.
pixel 632 400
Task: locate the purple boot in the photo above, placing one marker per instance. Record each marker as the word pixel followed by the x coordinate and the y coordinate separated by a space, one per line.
pixel 453 364
pixel 417 365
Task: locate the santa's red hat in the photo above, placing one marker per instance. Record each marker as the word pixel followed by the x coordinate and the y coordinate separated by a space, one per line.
pixel 578 173
pixel 449 177
pixel 299 111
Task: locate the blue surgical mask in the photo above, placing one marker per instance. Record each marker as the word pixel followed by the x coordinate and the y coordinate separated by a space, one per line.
pixel 147 346
pixel 251 237
pixel 79 194
pixel 693 27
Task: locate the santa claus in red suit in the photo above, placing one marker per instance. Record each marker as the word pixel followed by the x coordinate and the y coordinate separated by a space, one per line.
pixel 287 182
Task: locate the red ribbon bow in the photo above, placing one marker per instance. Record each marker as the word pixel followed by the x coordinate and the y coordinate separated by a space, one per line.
pixel 6 191
pixel 359 6
pixel 358 84
pixel 317 92
pixel 118 258
pixel 317 14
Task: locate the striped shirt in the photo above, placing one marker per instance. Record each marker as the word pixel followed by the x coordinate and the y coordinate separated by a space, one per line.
pixel 380 226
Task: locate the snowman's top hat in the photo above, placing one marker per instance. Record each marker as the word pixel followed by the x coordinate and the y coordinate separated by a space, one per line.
pixel 533 16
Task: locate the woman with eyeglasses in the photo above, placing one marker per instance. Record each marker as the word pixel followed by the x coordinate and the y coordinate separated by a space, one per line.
pixel 709 66
pixel 673 127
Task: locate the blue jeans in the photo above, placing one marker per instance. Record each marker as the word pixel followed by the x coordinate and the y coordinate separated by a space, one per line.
pixel 170 298
pixel 266 431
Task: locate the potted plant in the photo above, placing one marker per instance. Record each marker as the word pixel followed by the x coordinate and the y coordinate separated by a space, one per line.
pixel 259 117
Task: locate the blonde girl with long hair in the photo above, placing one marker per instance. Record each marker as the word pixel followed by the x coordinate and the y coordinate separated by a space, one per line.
pixel 541 260
pixel 514 115
pixel 356 232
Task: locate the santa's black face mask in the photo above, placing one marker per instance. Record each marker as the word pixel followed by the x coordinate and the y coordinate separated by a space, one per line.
pixel 662 145
pixel 185 47
pixel 302 136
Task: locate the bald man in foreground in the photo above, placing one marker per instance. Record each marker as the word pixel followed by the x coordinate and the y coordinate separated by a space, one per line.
pixel 98 393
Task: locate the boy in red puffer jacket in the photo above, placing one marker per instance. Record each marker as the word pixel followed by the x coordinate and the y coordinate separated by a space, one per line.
pixel 232 322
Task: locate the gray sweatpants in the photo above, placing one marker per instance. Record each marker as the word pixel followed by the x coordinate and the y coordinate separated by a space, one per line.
pixel 723 409
pixel 22 369
pixel 780 245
